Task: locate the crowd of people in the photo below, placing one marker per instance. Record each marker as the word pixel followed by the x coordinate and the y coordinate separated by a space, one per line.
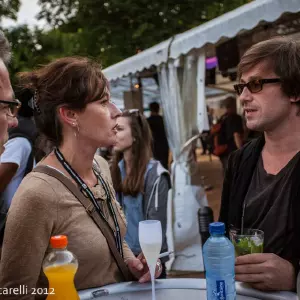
pixel 67 104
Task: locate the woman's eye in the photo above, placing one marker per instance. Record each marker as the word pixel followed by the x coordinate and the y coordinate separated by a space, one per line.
pixel 104 103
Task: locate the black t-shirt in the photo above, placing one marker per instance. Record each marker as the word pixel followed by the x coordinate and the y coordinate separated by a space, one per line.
pixel 231 123
pixel 160 142
pixel 268 207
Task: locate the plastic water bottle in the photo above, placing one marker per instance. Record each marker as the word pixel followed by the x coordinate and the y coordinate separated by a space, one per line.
pixel 60 267
pixel 219 260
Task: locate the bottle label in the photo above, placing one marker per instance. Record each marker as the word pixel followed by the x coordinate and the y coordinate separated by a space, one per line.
pixel 221 290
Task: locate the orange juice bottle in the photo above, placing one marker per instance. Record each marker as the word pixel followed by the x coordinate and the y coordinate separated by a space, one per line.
pixel 60 266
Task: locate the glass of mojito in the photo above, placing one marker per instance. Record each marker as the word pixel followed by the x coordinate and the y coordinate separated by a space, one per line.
pixel 248 242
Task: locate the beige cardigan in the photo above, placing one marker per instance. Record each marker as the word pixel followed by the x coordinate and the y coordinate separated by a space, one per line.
pixel 43 207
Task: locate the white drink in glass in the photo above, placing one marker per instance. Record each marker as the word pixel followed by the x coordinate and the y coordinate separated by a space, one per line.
pixel 151 252
pixel 150 237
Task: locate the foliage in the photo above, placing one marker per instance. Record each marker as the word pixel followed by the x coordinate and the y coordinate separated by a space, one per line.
pixel 9 8
pixel 109 30
pixel 116 29
pixel 32 48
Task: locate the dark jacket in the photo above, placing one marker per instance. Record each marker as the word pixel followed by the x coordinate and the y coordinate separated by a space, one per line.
pixel 160 141
pixel 241 166
pixel 157 186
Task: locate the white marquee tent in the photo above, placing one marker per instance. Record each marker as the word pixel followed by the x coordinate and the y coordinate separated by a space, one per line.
pixel 228 25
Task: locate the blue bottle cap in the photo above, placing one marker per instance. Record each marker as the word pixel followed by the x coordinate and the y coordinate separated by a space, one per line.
pixel 217 228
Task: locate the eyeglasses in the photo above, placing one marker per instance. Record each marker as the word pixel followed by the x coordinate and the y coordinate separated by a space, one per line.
pixel 254 86
pixel 11 107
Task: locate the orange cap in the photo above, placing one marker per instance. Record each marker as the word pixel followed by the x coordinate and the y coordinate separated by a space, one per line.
pixel 59 241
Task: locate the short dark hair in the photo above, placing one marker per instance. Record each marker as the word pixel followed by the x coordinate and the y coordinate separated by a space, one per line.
pixel 282 55
pixel 154 107
pixel 5 49
pixel 71 81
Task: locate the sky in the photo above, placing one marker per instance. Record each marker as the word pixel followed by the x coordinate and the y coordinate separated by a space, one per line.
pixel 28 10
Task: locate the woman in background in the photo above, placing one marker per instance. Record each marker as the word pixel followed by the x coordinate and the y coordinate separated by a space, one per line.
pixel 141 183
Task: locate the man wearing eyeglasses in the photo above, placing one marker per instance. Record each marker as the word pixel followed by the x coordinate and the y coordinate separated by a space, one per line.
pixel 261 188
pixel 8 105
pixel 8 112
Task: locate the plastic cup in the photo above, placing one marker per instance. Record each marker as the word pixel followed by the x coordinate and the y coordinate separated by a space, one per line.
pixel 251 241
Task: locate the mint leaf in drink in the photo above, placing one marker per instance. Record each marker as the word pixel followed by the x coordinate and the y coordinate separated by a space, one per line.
pixel 248 245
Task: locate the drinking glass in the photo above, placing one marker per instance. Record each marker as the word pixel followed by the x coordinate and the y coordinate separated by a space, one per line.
pixel 248 242
pixel 150 237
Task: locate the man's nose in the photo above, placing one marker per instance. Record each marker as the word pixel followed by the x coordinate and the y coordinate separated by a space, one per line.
pixel 245 96
pixel 12 122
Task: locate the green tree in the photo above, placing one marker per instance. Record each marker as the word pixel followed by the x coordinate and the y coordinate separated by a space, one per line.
pixel 9 8
pixel 115 29
pixel 34 47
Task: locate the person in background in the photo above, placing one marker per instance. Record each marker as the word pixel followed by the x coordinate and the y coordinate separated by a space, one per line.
pixel 17 159
pixel 261 187
pixel 160 142
pixel 72 109
pixel 141 183
pixel 8 106
pixel 231 131
pixel 204 137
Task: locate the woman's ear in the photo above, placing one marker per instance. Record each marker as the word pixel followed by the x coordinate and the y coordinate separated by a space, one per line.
pixel 67 116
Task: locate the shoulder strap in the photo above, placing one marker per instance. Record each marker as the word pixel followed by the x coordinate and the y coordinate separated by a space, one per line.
pixel 90 209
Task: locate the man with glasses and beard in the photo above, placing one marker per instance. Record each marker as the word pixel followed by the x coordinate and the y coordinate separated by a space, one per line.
pixel 261 187
pixel 8 106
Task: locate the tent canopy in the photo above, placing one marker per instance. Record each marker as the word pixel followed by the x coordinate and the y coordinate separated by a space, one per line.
pixel 150 91
pixel 228 25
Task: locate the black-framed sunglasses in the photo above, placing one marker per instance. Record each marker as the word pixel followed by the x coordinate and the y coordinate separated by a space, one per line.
pixel 11 106
pixel 254 86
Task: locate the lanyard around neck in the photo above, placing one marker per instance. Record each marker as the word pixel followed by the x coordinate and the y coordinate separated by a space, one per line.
pixel 83 187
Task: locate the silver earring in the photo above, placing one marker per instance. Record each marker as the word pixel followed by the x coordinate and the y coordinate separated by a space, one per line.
pixel 76 131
